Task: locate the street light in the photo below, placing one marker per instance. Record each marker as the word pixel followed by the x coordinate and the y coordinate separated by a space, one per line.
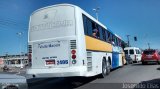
pixel 96 11
pixel 20 38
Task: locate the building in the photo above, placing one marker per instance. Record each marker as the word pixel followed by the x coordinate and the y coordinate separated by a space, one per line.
pixel 14 60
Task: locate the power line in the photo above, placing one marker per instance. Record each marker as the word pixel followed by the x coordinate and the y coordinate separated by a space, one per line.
pixel 9 24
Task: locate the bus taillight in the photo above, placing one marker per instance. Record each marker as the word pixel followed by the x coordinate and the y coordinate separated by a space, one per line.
pixel 73 51
pixel 73 54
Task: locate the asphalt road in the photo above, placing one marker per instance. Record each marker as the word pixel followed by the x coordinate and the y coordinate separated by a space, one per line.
pixel 135 76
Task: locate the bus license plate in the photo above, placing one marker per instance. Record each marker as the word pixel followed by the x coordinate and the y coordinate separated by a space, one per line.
pixel 50 62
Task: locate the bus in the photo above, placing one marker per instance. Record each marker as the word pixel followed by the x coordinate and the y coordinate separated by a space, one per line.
pixel 61 44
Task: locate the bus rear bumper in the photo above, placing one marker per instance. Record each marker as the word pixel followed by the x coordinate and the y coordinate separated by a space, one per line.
pixel 58 72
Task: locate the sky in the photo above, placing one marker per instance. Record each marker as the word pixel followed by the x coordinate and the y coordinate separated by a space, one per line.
pixel 140 18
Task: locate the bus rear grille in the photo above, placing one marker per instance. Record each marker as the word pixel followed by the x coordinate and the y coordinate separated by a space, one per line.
pixel 30 48
pixel 89 61
pixel 73 44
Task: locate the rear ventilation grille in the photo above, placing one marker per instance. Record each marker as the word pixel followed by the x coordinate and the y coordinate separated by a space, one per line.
pixel 73 44
pixel 89 61
pixel 30 48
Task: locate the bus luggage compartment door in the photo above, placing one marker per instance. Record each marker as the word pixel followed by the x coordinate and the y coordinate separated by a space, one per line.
pixel 50 54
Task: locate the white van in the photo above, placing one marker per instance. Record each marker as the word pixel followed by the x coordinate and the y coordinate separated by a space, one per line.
pixel 134 53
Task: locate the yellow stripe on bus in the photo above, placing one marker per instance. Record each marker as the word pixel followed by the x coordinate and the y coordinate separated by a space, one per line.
pixel 97 45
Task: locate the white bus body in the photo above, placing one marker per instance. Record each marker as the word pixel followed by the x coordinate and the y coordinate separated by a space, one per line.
pixel 53 33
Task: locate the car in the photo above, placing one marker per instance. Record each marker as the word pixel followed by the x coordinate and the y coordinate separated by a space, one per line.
pixel 133 54
pixel 151 55
pixel 5 68
pixel 12 81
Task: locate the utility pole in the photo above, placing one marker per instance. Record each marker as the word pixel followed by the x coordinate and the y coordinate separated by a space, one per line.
pixel 148 45
pixel 96 11
pixel 7 59
pixel 128 40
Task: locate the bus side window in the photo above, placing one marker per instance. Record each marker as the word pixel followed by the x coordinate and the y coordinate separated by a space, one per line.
pixel 89 27
pixel 85 24
pixel 100 33
pixel 108 36
pixel 95 30
pixel 104 34
pixel 116 41
pixel 113 40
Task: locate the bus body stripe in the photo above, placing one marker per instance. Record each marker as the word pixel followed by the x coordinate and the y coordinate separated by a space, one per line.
pixel 97 45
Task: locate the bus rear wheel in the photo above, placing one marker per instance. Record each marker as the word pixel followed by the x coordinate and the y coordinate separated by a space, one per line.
pixel 105 68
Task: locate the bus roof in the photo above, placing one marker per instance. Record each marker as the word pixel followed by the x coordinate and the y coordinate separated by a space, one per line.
pixel 91 17
pixel 118 36
pixel 65 4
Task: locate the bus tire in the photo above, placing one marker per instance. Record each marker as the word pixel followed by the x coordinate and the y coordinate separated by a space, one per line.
pixel 105 68
pixel 108 67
